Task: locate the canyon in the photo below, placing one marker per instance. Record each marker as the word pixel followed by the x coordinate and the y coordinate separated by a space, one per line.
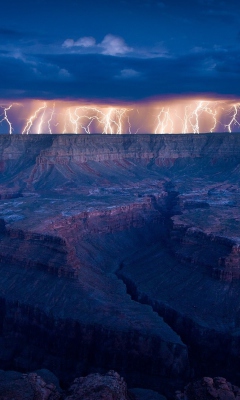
pixel 121 252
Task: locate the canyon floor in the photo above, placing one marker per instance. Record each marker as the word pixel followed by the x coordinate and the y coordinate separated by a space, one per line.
pixel 121 252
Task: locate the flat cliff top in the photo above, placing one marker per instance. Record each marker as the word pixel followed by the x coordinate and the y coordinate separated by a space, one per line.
pixel 178 144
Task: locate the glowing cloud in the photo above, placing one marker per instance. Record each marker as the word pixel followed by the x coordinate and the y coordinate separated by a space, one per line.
pixel 113 45
pixel 159 117
pixel 82 42
pixel 110 45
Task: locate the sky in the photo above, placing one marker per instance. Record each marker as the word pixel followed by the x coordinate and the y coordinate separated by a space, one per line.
pixel 119 51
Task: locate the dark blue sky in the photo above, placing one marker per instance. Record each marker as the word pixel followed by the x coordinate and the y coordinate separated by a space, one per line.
pixel 119 50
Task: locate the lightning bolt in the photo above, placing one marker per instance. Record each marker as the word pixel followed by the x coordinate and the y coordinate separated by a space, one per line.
pixel 5 117
pixel 65 122
pixel 33 117
pixel 89 119
pixel 73 120
pixel 42 120
pixel 129 125
pixel 194 118
pixel 184 120
pixel 234 120
pixel 111 120
pixel 107 122
pixel 164 120
pixel 191 118
pixel 213 114
pixel 50 119
pixel 185 117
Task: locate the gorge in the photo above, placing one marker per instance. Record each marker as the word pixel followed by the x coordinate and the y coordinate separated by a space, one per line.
pixel 121 252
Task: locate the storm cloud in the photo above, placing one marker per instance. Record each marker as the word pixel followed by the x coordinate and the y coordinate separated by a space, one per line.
pixel 121 52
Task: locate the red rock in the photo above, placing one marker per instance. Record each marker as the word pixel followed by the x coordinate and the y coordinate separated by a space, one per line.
pixel 99 387
pixel 209 389
pixel 17 386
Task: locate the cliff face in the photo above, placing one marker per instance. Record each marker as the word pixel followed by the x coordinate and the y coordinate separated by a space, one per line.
pixel 86 218
pixel 219 254
pixel 83 148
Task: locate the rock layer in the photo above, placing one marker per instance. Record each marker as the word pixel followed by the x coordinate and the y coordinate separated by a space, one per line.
pixel 84 216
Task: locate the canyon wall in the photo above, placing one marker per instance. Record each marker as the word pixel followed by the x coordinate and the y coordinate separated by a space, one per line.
pixel 82 148
pixel 118 252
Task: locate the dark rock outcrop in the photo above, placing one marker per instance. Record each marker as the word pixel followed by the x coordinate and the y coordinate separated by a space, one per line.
pixel 17 386
pixel 95 387
pixel 43 385
pixel 209 389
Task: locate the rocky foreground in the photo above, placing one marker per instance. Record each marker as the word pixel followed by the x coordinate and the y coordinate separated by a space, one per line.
pixel 121 252
pixel 43 385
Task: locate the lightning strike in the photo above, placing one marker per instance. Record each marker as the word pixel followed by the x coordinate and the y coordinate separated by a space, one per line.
pixel 5 117
pixel 111 121
pixel 129 125
pixel 73 120
pixel 65 122
pixel 30 121
pixel 42 120
pixel 194 117
pixel 50 119
pixel 164 120
pixel 85 116
pixel 191 120
pixel 234 120
pixel 174 116
pixel 214 115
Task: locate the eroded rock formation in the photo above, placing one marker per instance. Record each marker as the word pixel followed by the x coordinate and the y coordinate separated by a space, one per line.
pixel 31 386
pixel 120 252
pixel 209 389
pixel 43 385
pixel 96 386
